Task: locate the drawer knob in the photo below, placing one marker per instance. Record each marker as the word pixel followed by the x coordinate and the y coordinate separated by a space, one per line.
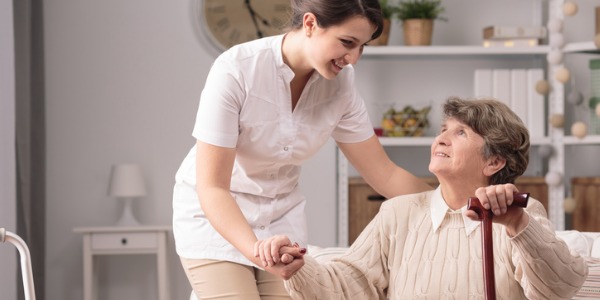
pixel 123 241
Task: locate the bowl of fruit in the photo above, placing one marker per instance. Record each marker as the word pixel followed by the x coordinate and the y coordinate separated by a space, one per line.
pixel 405 122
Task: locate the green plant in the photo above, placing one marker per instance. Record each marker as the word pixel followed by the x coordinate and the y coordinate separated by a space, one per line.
pixel 420 9
pixel 387 9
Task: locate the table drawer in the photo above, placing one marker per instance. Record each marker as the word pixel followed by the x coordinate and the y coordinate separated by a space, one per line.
pixel 125 240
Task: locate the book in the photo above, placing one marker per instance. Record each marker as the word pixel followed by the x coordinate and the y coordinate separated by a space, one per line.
pixel 501 85
pixel 511 32
pixel 518 94
pixel 536 109
pixel 510 43
pixel 482 83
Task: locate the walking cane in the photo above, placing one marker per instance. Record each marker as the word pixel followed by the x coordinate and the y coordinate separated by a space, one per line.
pixel 486 216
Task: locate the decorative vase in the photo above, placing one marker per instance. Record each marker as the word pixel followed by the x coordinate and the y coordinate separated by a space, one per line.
pixel 417 32
pixel 382 40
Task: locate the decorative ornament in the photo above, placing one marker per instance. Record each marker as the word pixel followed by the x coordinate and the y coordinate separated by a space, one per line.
pixel 579 129
pixel 557 40
pixel 554 57
pixel 570 8
pixel 598 109
pixel 545 151
pixel 563 75
pixel 597 40
pixel 557 120
pixel 542 87
pixel 555 25
pixel 569 205
pixel 553 178
pixel 575 97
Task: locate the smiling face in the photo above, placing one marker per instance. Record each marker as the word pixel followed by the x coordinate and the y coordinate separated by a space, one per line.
pixel 456 153
pixel 330 49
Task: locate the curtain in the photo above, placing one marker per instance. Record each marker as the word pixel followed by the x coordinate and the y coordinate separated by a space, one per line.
pixel 30 135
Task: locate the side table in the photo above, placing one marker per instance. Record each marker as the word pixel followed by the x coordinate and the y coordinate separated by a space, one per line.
pixel 123 240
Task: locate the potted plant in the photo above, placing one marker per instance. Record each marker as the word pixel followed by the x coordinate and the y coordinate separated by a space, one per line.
pixel 417 18
pixel 388 12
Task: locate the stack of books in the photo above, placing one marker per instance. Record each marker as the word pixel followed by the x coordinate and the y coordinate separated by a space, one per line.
pixel 591 286
pixel 516 88
pixel 513 36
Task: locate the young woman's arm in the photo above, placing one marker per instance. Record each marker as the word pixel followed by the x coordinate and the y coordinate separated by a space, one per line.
pixel 379 171
pixel 213 179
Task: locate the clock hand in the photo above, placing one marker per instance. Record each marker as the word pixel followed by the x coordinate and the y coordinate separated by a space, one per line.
pixel 254 16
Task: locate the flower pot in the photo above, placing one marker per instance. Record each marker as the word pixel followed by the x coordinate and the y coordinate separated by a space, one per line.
pixel 382 40
pixel 417 32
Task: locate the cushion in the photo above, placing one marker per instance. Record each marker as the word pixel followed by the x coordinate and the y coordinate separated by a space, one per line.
pixel 596 248
pixel 591 287
pixel 580 242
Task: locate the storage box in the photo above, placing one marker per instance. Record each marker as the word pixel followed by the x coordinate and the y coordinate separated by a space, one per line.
pixel 586 191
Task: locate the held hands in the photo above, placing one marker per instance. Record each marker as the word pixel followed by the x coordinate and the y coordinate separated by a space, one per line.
pixel 278 256
pixel 498 199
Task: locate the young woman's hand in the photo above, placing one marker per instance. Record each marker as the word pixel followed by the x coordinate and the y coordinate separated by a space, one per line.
pixel 271 251
pixel 279 256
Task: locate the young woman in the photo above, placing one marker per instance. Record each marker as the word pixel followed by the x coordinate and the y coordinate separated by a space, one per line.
pixel 268 106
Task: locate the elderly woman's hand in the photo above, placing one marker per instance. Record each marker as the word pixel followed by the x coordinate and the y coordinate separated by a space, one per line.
pixel 277 249
pixel 498 198
pixel 279 256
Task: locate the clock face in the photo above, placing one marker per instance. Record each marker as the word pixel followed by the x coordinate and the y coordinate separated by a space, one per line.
pixel 230 22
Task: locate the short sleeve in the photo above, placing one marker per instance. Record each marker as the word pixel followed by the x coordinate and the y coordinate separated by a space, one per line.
pixel 355 125
pixel 217 119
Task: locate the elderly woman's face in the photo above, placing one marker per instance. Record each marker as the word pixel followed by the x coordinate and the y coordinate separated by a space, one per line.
pixel 456 151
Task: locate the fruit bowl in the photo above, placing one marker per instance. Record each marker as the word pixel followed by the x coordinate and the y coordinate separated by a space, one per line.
pixel 406 122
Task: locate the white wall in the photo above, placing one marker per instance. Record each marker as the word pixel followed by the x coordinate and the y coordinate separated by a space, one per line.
pixel 8 253
pixel 122 83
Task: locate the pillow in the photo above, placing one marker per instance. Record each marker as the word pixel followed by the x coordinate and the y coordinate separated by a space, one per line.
pixel 591 287
pixel 577 241
pixel 323 255
pixel 596 248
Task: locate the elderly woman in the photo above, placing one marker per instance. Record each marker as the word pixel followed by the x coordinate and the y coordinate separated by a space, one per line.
pixel 427 245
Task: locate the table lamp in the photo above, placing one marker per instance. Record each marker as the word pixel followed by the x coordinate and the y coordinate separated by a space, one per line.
pixel 126 183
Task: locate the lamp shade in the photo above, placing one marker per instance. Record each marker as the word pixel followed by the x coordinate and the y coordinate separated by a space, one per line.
pixel 126 181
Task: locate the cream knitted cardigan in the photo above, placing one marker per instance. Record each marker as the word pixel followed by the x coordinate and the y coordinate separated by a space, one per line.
pixel 398 256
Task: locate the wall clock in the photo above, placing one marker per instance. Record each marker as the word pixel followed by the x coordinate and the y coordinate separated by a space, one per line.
pixel 224 23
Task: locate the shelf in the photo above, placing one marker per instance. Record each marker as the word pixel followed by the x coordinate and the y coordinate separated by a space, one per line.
pixel 378 51
pixel 586 140
pixel 427 141
pixel 581 47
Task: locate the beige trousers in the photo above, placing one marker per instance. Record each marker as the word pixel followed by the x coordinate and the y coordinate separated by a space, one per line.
pixel 215 279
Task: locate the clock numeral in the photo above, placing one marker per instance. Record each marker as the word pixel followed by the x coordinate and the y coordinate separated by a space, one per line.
pixel 234 36
pixel 219 9
pixel 223 24
pixel 281 8
pixel 277 23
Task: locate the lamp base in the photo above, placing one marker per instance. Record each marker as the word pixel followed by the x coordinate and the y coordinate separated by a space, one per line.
pixel 127 218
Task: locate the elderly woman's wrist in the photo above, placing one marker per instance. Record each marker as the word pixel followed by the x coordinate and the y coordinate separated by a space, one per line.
pixel 518 224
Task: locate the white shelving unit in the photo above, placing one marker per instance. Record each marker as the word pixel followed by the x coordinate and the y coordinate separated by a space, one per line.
pixel 555 101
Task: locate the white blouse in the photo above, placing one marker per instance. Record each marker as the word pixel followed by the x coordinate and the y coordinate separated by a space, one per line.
pixel 246 104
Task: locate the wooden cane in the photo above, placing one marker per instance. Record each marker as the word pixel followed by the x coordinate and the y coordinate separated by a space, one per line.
pixel 486 216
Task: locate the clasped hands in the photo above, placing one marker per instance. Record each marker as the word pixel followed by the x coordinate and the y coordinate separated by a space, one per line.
pixel 279 256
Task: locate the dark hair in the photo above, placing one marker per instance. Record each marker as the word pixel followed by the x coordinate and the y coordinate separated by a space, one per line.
pixel 502 130
pixel 334 12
